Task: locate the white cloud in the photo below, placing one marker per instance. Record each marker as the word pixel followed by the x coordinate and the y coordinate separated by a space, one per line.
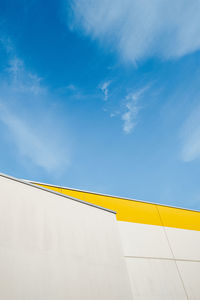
pixel 129 117
pixel 22 80
pixel 29 119
pixel 32 144
pixel 71 87
pixel 141 29
pixel 191 137
pixel 104 88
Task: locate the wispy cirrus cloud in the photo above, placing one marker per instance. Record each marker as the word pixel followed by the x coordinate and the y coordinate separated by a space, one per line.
pixel 190 136
pixel 132 108
pixel 36 146
pixel 141 29
pixel 21 80
pixel 104 88
pixel 27 117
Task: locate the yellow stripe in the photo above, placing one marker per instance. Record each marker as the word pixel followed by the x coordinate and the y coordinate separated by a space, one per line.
pixel 179 218
pixel 138 212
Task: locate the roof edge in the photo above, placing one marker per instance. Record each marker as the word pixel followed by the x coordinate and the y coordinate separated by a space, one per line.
pixel 29 183
pixel 107 195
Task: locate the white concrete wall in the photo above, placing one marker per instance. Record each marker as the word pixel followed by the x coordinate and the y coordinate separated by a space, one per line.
pixel 53 248
pixel 163 263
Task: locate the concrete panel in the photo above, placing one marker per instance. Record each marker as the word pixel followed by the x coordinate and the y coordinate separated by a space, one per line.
pixel 190 273
pixel 184 243
pixel 144 240
pixel 155 279
pixel 56 248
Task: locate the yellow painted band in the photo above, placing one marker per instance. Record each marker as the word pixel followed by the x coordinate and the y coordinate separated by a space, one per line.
pixel 136 211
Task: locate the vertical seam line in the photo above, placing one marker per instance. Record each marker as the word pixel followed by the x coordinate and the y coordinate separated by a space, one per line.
pixel 172 253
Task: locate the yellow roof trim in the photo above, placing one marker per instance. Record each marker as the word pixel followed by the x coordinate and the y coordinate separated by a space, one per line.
pixel 137 211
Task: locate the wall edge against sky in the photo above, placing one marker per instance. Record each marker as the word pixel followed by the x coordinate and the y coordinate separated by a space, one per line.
pixel 108 195
pixel 53 192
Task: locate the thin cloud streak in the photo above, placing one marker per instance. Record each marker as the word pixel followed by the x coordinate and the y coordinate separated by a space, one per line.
pixel 191 137
pixel 104 88
pixel 21 80
pixel 30 143
pixel 129 117
pixel 31 125
pixel 141 29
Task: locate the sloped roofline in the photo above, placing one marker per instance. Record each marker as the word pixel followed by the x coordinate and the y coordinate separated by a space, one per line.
pixel 108 195
pixel 29 183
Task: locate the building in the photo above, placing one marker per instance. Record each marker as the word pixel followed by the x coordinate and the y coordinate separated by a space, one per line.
pixel 60 243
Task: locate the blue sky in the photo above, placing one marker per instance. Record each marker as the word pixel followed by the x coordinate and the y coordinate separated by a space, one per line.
pixel 103 95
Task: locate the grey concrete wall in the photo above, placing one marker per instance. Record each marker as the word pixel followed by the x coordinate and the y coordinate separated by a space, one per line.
pixel 53 248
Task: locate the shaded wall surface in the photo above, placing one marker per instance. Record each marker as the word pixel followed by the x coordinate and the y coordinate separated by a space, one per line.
pixel 161 245
pixel 55 248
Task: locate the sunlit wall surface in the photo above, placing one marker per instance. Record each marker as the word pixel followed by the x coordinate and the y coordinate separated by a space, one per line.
pixel 55 248
pixel 161 245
